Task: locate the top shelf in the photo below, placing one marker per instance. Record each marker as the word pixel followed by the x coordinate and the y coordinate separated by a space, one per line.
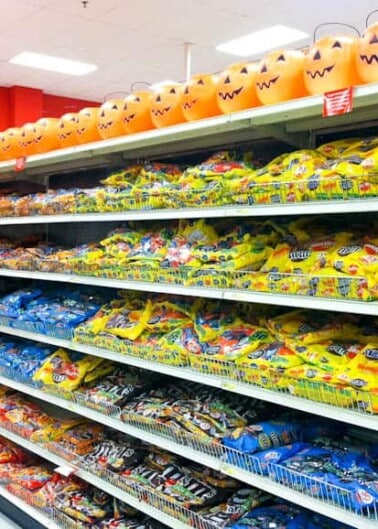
pixel 292 121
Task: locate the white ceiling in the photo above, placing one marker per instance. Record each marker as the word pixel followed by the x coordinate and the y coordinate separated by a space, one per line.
pixel 143 40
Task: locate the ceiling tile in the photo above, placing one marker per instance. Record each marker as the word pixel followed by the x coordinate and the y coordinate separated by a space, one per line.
pixel 142 40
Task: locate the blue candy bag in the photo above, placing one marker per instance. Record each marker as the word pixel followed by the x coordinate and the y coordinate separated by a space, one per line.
pixel 263 435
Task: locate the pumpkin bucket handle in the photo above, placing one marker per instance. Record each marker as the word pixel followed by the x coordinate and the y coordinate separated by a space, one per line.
pixel 111 94
pixel 141 83
pixel 335 24
pixel 367 21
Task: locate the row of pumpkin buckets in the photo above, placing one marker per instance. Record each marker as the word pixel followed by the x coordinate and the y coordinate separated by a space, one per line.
pixel 331 63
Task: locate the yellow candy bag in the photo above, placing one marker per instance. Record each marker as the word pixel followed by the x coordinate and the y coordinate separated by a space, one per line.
pixel 313 383
pixel 310 327
pixel 128 324
pixel 330 356
pixel 335 149
pixel 63 369
pixel 358 258
pixel 362 372
pixel 166 316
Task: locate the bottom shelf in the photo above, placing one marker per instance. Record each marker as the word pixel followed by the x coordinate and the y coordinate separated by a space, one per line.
pixel 40 517
pixel 169 513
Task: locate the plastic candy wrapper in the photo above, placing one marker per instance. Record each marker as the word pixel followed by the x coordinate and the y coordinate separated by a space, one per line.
pixel 359 258
pixel 274 455
pixel 55 429
pixel 171 347
pixel 235 341
pixel 79 440
pixel 277 515
pixel 123 178
pixel 362 371
pixel 309 327
pixel 335 472
pixel 260 365
pixel 126 323
pixel 66 370
pixel 80 506
pixel 114 456
pixel 236 506
pixel 262 436
pixel 12 305
pixel 178 486
pixel 165 317
pixel 115 389
pixel 31 478
pixel 10 453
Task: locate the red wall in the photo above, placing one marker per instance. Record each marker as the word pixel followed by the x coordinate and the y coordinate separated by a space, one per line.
pixel 55 106
pixel 5 117
pixel 20 104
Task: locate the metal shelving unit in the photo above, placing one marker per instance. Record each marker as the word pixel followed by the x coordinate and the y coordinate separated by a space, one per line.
pixel 314 504
pixel 363 420
pixel 296 122
pixel 94 480
pixel 288 300
pixel 43 519
pixel 304 208
pixel 293 121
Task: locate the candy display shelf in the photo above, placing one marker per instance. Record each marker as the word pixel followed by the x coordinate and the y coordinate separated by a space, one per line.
pixel 350 416
pixel 293 121
pixel 288 300
pixel 191 519
pixel 102 484
pixel 39 516
pixel 297 122
pixel 305 208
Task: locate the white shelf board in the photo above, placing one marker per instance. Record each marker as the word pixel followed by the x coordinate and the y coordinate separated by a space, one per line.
pixel 34 513
pixel 299 115
pixel 95 480
pixel 304 208
pixel 287 300
pixel 260 482
pixel 363 420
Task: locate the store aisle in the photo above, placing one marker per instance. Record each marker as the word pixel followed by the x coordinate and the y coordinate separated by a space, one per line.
pixel 6 523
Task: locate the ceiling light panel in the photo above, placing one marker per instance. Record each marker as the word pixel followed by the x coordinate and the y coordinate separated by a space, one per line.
pixel 52 64
pixel 262 41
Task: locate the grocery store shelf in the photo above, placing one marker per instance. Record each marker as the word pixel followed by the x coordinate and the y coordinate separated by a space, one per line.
pixel 93 480
pixel 260 482
pixel 290 120
pixel 287 300
pixel 31 511
pixel 301 208
pixel 363 420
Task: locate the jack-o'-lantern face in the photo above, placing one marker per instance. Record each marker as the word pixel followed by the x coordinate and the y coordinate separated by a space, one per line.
pixel 87 121
pixel 166 106
pixel 110 119
pixel 330 64
pixel 67 130
pixel 236 88
pixel 26 139
pixel 12 136
pixel 46 138
pixel 136 115
pixel 280 76
pixel 5 147
pixel 367 55
pixel 200 97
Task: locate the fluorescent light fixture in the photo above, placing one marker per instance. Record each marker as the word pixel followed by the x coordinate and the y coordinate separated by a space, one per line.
pixel 263 40
pixel 52 64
